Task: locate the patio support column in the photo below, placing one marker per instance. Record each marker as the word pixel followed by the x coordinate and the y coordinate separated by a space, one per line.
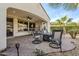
pixel 28 25
pixel 48 26
pixel 15 26
pixel 3 39
pixel 42 25
pixel 28 18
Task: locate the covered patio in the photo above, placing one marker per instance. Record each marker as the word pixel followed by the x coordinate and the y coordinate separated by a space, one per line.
pixel 21 22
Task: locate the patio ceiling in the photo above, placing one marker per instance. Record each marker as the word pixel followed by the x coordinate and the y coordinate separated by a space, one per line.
pixel 23 14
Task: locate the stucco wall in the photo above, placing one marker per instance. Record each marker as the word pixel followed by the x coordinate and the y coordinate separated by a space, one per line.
pixel 34 8
pixel 2 28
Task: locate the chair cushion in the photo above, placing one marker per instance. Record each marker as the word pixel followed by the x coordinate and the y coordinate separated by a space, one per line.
pixel 38 36
pixel 36 42
pixel 55 41
pixel 54 45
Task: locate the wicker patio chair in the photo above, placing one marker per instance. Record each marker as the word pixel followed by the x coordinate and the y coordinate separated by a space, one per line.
pixel 37 37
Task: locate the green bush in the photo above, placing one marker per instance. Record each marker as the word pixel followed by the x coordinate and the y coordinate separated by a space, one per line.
pixel 39 52
pixel 72 30
pixel 55 28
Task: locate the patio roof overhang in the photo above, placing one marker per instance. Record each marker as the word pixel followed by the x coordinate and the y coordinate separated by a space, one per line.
pixel 13 12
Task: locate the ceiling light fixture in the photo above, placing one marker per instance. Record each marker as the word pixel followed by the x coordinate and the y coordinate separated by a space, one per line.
pixel 29 18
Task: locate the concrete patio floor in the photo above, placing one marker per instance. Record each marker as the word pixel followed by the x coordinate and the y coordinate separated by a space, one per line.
pixel 27 48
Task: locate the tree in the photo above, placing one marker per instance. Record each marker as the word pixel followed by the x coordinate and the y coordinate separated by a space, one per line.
pixel 64 21
pixel 66 6
pixel 72 29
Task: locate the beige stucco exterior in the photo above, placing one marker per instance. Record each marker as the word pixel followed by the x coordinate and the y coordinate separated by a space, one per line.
pixel 33 8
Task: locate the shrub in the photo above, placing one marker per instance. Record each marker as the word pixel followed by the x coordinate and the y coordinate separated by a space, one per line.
pixel 39 52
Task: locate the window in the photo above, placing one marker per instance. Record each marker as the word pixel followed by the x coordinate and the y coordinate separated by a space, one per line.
pixel 31 26
pixel 22 25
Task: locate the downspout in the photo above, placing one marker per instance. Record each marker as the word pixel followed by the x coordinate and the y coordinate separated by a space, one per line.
pixel 48 24
pixel 44 11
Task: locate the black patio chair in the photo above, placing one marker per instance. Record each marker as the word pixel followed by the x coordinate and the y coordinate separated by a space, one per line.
pixel 56 40
pixel 47 37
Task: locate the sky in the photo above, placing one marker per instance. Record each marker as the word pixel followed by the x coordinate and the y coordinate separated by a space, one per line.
pixel 57 13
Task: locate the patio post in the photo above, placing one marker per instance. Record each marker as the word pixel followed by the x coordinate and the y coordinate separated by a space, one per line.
pixel 28 25
pixel 28 18
pixel 15 26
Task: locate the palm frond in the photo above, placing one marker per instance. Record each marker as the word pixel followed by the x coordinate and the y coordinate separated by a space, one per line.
pixel 55 5
pixel 63 19
pixel 70 6
pixel 66 6
pixel 69 20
